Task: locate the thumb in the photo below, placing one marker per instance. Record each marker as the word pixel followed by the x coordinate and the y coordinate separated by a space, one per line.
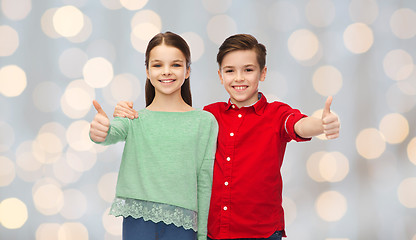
pixel 327 108
pixel 97 107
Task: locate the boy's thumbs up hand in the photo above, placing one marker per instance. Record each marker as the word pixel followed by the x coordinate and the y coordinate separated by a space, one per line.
pixel 330 121
pixel 99 125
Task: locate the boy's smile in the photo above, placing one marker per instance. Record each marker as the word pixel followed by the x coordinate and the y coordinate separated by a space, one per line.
pixel 240 74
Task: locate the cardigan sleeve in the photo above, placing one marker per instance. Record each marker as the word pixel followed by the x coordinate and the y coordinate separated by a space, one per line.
pixel 205 175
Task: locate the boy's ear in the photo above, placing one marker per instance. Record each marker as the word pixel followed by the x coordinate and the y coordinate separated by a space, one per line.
pixel 263 74
pixel 220 75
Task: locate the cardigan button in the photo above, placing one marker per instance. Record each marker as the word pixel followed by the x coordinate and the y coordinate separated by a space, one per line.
pixel 231 134
pixel 239 115
pixel 225 208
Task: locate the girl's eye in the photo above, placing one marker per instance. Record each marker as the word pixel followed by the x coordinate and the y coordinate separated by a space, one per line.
pixel 249 70
pixel 156 65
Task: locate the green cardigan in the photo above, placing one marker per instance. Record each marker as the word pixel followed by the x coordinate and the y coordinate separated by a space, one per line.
pixel 168 158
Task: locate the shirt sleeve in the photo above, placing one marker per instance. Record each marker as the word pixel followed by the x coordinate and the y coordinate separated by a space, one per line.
pixel 117 132
pixel 290 118
pixel 205 175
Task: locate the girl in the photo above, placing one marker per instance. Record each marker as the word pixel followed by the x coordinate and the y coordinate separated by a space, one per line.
pixel 165 178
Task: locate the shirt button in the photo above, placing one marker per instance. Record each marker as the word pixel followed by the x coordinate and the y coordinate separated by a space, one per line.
pixel 226 183
pixel 228 159
pixel 231 134
pixel 239 115
pixel 225 208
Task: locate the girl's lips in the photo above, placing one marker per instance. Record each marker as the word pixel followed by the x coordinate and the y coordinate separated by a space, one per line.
pixel 166 80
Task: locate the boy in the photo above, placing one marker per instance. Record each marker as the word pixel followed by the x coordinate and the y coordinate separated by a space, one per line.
pixel 246 200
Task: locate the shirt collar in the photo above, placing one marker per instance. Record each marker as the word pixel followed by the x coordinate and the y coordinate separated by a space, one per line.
pixel 258 106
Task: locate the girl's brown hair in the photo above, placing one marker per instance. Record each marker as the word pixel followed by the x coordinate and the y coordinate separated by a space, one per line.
pixel 173 40
pixel 242 42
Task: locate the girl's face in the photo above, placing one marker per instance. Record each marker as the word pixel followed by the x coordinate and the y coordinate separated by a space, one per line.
pixel 167 69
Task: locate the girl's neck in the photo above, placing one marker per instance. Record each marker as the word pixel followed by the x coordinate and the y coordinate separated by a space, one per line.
pixel 167 103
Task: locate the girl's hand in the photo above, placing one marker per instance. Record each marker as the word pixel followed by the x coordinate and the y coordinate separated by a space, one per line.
pixel 100 125
pixel 330 121
pixel 125 109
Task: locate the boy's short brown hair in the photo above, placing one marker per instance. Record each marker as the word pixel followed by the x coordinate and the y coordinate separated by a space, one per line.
pixel 242 42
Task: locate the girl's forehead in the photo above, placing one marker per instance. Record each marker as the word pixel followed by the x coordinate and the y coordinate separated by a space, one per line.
pixel 166 52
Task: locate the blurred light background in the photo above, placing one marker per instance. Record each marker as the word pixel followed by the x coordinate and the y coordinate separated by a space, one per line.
pixel 57 56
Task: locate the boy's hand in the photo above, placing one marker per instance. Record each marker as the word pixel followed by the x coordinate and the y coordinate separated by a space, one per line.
pixel 330 121
pixel 125 109
pixel 100 125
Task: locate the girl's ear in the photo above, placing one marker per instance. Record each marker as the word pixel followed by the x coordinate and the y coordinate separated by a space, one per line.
pixel 188 72
pixel 147 73
pixel 220 76
pixel 263 74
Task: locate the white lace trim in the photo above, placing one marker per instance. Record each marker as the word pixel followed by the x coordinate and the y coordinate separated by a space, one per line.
pixel 155 212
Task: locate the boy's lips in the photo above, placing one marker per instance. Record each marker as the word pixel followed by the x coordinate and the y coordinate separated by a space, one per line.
pixel 240 87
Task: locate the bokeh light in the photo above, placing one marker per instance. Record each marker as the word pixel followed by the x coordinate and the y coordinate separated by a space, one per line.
pixel 112 224
pixel 411 150
pixel 47 231
pixel 133 4
pixel 394 127
pixel 16 9
pixel 320 13
pixel 98 72
pixel 331 206
pixel 303 45
pixel 74 105
pixel 327 80
pixel 48 198
pixel 407 192
pixel 358 38
pixel 196 44
pixel 68 21
pixel 12 80
pixel 73 230
pixel 13 213
pixel 7 171
pixel 370 143
pixel 144 25
pixel 77 135
pixel 220 27
pixel 402 23
pixel 398 64
pixel 124 87
pixel 106 192
pixel 75 204
pixel 9 40
pixel 364 11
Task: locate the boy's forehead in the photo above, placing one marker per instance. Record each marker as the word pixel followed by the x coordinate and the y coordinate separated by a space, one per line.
pixel 240 58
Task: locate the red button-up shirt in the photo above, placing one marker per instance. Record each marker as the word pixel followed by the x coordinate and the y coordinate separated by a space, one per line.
pixel 246 200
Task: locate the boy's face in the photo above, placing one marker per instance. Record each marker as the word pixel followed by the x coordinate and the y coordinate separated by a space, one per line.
pixel 240 74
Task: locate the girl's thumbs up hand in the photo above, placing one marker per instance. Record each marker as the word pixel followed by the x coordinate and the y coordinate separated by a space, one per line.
pixel 330 121
pixel 99 125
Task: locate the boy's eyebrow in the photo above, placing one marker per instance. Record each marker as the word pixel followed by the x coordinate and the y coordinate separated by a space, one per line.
pixel 247 65
pixel 157 60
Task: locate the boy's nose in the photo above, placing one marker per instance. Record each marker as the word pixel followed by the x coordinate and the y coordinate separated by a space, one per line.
pixel 239 77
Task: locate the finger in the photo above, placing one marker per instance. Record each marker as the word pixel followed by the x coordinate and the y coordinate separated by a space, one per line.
pixel 330 118
pixel 101 120
pixel 97 107
pixel 327 108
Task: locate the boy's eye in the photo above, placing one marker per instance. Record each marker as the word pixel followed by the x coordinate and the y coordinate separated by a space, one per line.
pixel 176 65
pixel 229 71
